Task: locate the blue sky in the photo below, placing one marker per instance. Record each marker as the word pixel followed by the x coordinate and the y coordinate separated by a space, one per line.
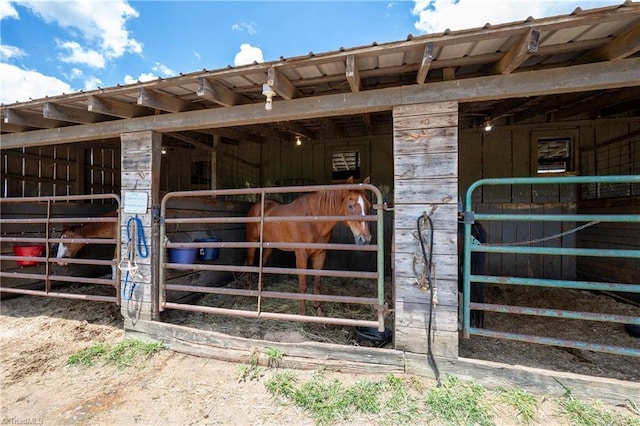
pixel 63 46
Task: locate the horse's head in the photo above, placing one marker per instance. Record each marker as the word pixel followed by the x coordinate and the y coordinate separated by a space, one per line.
pixel 68 249
pixel 356 203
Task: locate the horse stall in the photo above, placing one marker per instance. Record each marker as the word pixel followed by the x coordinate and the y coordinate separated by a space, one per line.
pixel 39 213
pixel 426 118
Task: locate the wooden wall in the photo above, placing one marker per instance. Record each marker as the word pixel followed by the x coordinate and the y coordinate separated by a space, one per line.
pixel 60 170
pixel 511 152
pixel 425 174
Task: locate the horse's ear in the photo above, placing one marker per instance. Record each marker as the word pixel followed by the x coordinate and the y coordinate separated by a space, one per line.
pixel 350 180
pixel 367 180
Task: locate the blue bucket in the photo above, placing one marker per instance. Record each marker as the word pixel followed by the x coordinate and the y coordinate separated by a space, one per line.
pixel 208 253
pixel 183 255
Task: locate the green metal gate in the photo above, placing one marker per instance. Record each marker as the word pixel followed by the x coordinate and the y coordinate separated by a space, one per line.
pixel 471 245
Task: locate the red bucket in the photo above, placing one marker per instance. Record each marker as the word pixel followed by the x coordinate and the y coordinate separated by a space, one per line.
pixel 28 251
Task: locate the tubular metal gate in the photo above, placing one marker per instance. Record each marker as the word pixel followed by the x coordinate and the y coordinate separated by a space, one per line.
pixel 259 294
pixel 471 245
pixel 47 275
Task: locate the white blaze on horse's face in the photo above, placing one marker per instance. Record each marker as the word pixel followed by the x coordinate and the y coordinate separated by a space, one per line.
pixel 359 229
pixel 62 250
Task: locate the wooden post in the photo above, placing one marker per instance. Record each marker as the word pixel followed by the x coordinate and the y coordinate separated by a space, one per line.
pixel 141 158
pixel 425 156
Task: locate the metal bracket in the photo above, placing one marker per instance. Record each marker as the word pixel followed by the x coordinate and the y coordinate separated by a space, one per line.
pixel 469 218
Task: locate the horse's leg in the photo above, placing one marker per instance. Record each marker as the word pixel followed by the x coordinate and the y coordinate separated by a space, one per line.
pixel 265 257
pixel 251 254
pixel 318 263
pixel 301 263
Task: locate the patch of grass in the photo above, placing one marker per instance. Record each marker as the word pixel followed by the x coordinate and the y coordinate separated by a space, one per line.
pixel 401 407
pixel 282 385
pixel 274 356
pixel 581 413
pixel 522 401
pixel 329 401
pixel 459 403
pixel 87 357
pixel 121 354
pixel 251 371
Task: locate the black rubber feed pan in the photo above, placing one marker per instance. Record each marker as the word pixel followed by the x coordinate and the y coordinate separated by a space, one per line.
pixel 372 336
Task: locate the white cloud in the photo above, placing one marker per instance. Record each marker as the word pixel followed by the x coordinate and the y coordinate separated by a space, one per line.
pixel 8 11
pixel 142 77
pixel 92 83
pixel 197 54
pixel 10 52
pixel 248 54
pixel 437 15
pixel 78 55
pixel 249 27
pixel 101 23
pixel 18 84
pixel 163 70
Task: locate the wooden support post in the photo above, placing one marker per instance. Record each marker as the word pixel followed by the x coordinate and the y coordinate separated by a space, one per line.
pixel 425 156
pixel 141 159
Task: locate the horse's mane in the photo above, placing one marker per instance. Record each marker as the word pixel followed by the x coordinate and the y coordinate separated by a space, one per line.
pixel 331 200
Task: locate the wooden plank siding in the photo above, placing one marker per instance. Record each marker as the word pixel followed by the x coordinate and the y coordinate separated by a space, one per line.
pixel 425 152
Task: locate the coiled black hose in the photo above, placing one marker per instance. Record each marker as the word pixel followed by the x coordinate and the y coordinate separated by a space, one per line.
pixel 432 287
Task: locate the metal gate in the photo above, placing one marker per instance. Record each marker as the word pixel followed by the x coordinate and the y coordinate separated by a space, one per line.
pixel 376 278
pixel 471 246
pixel 36 225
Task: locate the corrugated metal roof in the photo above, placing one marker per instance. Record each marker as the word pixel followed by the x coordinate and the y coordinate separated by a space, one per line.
pixel 609 33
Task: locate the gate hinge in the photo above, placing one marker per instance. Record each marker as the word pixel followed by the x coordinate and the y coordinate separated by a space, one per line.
pixel 155 212
pixel 469 218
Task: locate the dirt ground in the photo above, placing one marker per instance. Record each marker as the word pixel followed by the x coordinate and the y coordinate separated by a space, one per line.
pixel 38 335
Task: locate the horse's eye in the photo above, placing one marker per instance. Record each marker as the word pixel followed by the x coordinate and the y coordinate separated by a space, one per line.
pixel 351 207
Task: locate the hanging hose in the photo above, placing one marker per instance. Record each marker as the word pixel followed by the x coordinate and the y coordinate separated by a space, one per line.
pixel 136 245
pixel 428 265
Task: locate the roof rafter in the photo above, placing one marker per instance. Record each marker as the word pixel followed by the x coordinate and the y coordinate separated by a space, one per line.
pixel 352 73
pixel 162 101
pixel 620 47
pixel 28 119
pixel 281 84
pixel 218 93
pixel 425 65
pixel 104 105
pixel 72 115
pixel 519 53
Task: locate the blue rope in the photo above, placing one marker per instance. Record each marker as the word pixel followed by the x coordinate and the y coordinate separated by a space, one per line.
pixel 142 242
pixel 142 248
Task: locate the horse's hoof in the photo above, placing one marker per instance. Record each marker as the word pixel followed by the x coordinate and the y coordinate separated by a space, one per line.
pixel 319 312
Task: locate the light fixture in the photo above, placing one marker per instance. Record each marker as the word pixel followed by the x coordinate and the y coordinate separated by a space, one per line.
pixel 269 93
pixel 298 141
pixel 487 126
pixel 163 150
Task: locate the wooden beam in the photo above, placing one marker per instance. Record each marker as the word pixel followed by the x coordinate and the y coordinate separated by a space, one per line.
pixel 622 46
pixel 331 126
pixel 296 129
pixel 520 52
pixel 282 85
pixel 103 105
pixel 154 99
pixel 353 76
pixel 578 78
pixel 8 127
pixel 425 65
pixel 24 118
pixel 72 115
pixel 190 141
pixel 218 93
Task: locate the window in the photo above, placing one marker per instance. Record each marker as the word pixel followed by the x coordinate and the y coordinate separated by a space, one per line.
pixel 555 155
pixel 345 164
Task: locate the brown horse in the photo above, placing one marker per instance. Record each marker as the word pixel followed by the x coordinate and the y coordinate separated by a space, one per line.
pixel 85 230
pixel 346 202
